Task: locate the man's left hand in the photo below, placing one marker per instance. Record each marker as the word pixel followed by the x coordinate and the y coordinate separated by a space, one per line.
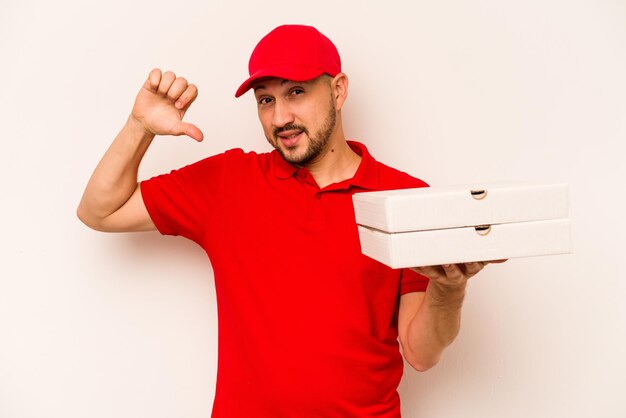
pixel 453 276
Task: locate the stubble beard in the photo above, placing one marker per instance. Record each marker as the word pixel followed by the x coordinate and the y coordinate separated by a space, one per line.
pixel 316 144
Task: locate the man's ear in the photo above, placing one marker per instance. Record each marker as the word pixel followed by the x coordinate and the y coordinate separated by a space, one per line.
pixel 339 86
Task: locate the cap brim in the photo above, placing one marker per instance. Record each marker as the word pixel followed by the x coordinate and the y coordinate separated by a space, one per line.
pixel 287 72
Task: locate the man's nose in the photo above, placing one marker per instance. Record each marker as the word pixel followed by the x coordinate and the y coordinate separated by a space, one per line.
pixel 282 114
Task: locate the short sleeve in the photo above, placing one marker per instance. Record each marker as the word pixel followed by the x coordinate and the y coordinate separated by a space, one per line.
pixel 411 281
pixel 181 202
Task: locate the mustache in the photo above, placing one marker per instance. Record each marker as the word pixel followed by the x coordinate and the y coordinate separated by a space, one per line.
pixel 290 127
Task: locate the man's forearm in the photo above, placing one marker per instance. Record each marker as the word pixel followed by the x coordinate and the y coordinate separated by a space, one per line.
pixel 115 177
pixel 435 325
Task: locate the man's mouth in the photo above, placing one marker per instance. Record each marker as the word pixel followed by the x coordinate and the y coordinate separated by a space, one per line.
pixel 290 138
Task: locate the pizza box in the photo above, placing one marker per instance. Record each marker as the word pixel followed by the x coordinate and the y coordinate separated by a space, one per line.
pixel 467 244
pixel 458 206
pixel 457 224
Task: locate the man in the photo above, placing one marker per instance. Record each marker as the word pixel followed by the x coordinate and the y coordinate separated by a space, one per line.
pixel 308 326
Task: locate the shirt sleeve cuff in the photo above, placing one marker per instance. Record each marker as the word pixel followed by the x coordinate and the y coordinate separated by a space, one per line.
pixel 146 194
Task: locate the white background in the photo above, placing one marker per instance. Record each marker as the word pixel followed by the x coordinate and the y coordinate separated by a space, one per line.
pixel 121 325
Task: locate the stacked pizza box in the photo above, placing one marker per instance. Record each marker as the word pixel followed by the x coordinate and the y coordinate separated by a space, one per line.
pixel 458 224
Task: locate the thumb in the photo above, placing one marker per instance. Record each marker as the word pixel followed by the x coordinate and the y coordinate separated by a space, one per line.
pixel 189 129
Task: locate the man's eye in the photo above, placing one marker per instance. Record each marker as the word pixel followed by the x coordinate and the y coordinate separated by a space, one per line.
pixel 297 91
pixel 265 100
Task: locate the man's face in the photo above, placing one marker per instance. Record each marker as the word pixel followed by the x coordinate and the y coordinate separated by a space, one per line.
pixel 298 117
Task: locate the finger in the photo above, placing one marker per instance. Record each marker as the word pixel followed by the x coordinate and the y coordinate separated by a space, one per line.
pixel 453 271
pixel 473 268
pixel 166 82
pixel 496 261
pixel 154 78
pixel 187 98
pixel 432 272
pixel 178 87
pixel 189 129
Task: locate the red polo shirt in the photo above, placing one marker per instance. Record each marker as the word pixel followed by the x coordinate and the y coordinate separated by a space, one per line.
pixel 307 324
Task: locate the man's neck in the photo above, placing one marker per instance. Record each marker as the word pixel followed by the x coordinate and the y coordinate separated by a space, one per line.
pixel 338 162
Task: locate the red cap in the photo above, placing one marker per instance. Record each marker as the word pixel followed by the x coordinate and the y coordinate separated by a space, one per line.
pixel 292 52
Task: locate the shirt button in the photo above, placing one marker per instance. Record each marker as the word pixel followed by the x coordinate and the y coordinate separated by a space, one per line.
pixel 318 196
pixel 301 174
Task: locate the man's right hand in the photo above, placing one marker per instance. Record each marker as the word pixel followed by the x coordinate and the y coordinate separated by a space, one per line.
pixel 161 104
pixel 112 200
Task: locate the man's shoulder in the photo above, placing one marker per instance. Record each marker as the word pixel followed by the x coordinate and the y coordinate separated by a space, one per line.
pixel 392 178
pixel 380 176
pixel 234 160
pixel 239 153
pixel 238 157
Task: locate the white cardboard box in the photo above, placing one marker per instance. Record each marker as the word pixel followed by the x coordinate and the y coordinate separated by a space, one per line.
pixel 457 206
pixel 433 226
pixel 462 245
